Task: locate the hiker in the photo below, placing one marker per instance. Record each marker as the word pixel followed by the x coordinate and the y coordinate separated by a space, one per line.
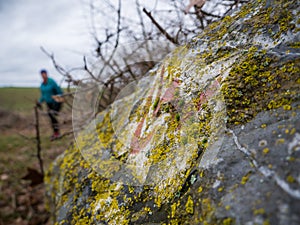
pixel 49 90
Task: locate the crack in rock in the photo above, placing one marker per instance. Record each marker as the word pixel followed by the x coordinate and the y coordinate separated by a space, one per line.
pixel 266 172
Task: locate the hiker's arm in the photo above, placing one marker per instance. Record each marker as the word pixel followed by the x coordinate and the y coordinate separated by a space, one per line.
pixel 57 89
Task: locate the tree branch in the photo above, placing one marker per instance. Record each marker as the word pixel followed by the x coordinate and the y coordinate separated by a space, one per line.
pixel 38 140
pixel 162 30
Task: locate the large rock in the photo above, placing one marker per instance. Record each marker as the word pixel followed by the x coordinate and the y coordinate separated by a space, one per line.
pixel 212 136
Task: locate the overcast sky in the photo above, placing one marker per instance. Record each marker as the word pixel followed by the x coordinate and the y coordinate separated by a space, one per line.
pixel 58 25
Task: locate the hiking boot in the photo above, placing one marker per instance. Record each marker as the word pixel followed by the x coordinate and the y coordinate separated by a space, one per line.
pixel 55 136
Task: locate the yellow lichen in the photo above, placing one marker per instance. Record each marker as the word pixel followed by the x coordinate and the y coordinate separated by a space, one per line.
pixel 257 81
pixel 189 206
pixel 280 141
pixel 266 151
pixel 290 179
pixel 259 211
pixel 245 179
pixel 263 126
pixel 228 221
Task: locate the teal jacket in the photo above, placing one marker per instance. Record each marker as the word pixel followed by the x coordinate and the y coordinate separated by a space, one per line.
pixel 48 89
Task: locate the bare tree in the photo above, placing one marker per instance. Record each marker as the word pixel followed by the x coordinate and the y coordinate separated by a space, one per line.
pixel 112 23
pixel 176 21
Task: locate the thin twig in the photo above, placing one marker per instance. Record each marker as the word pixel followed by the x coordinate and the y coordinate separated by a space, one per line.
pixel 159 27
pixel 117 39
pixel 89 71
pixel 59 68
pixel 25 137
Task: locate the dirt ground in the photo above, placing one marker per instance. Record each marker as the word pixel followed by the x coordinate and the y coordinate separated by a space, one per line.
pixel 20 202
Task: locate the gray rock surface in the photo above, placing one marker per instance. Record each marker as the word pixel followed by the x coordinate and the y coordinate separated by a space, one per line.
pixel 211 137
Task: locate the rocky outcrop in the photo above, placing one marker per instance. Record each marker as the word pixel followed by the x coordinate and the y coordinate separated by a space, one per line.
pixel 212 136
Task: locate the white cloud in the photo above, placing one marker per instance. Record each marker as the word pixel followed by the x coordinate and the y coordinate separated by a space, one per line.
pixel 61 27
pixel 58 25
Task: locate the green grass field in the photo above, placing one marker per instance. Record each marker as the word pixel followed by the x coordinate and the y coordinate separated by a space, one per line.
pixel 18 122
pixel 17 99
